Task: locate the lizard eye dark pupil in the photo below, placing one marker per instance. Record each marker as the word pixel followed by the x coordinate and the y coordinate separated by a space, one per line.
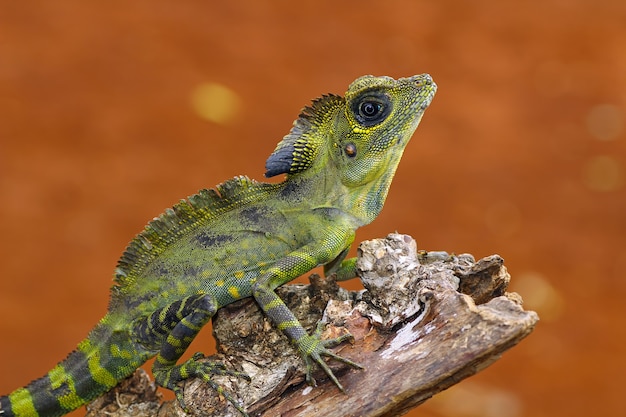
pixel 370 109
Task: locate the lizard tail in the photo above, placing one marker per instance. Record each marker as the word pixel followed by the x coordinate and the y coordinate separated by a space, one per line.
pixel 99 362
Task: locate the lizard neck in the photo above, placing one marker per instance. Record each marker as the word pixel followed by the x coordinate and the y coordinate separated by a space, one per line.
pixel 324 188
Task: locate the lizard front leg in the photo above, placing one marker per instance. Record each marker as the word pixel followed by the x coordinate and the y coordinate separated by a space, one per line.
pixel 311 347
pixel 344 269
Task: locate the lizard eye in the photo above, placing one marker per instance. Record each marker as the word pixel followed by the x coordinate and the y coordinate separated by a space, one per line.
pixel 372 109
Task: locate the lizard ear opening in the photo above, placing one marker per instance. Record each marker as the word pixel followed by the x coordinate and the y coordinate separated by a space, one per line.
pixel 297 151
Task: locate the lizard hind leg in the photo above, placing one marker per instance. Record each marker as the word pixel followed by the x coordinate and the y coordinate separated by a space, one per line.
pixel 171 330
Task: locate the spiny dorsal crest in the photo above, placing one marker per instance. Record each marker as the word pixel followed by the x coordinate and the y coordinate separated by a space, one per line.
pixel 297 151
pixel 182 217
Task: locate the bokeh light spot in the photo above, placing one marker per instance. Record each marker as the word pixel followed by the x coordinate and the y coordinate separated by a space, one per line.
pixel 539 295
pixel 215 103
pixel 605 122
pixel 476 400
pixel 603 173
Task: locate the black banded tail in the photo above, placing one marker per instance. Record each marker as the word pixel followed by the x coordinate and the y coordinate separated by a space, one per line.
pixel 98 364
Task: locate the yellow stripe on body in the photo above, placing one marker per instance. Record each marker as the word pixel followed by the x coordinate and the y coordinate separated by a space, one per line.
pixel 172 340
pixel 22 403
pixel 117 351
pixel 276 302
pixel 98 373
pixel 287 324
pixel 58 377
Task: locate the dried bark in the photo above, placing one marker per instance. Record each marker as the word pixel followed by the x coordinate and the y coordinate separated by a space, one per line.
pixel 425 321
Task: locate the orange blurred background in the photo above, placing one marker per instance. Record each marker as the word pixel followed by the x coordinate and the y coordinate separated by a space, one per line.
pixel 107 116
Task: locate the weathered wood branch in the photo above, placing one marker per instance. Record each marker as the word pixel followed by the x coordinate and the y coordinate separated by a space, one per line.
pixel 425 321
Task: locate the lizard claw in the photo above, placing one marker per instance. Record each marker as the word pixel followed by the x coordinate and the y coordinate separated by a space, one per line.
pixel 313 348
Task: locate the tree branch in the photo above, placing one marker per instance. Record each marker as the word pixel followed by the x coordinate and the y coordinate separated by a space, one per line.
pixel 425 321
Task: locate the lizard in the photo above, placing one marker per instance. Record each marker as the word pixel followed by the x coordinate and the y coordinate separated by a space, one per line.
pixel 243 238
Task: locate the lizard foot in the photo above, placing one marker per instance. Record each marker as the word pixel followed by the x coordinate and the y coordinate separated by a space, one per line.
pixel 312 348
pixel 171 377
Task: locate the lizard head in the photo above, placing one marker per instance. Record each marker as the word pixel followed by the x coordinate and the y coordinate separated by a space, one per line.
pixel 359 139
pixel 381 115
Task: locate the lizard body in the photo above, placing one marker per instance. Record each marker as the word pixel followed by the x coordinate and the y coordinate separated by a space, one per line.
pixel 243 239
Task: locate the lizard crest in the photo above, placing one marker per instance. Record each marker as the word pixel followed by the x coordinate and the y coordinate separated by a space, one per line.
pixel 297 151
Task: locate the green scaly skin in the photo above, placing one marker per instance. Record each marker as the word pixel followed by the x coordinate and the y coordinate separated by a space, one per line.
pixel 243 239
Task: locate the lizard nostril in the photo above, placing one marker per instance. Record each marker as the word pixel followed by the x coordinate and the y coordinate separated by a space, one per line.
pixel 424 79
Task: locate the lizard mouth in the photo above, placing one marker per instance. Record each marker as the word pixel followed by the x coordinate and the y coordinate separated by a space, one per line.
pixel 432 89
